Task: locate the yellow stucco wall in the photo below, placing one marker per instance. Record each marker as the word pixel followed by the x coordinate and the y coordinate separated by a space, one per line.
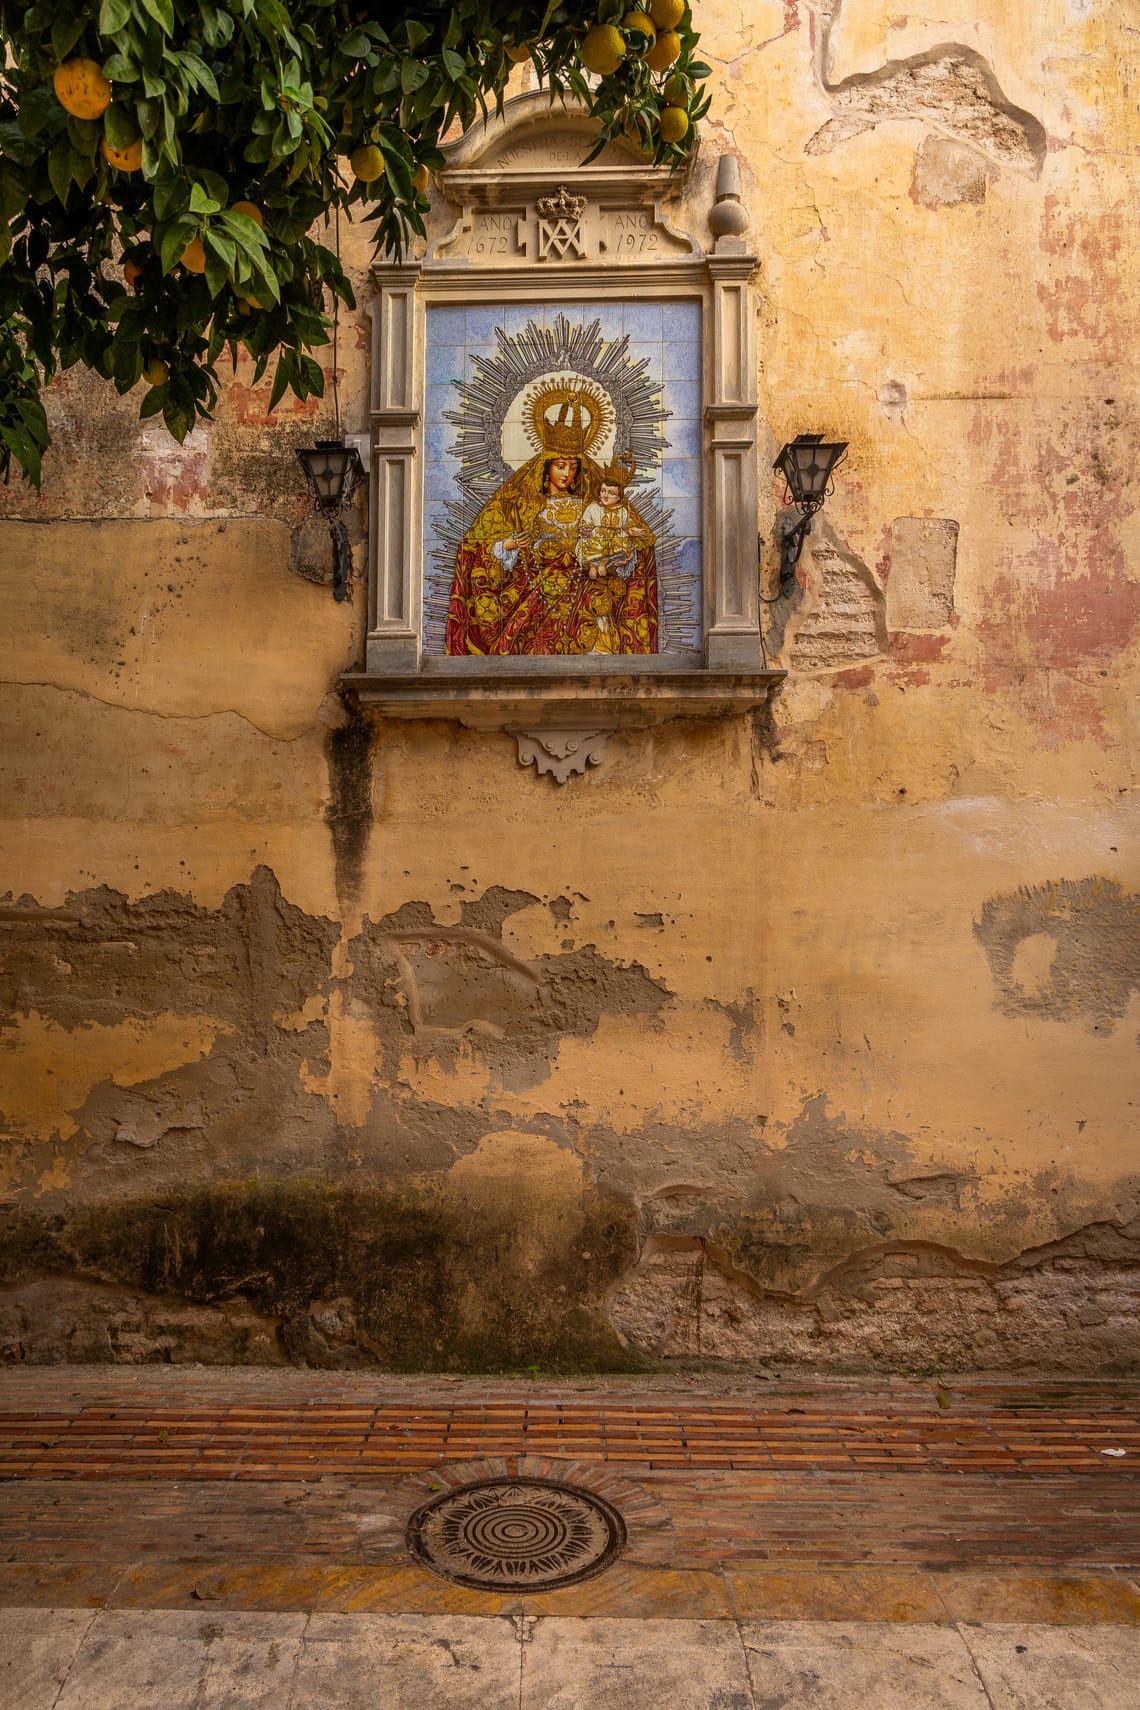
pixel 845 991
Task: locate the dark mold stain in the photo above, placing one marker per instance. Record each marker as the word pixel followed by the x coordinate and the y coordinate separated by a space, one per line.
pixel 354 1273
pixel 349 750
pixel 1084 958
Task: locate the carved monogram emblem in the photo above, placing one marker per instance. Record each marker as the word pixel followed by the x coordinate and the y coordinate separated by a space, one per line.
pixel 560 225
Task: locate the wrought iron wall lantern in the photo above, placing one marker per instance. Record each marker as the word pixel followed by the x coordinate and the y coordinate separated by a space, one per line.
pixel 807 464
pixel 332 470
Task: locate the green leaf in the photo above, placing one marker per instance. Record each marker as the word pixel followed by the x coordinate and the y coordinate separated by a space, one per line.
pixel 120 69
pixel 13 190
pixel 59 169
pixel 199 71
pixel 454 63
pixel 121 125
pixel 38 107
pixel 162 11
pixel 24 449
pixel 170 198
pixel 221 245
pixel 217 273
pixel 283 378
pixel 200 203
pixel 153 402
pixel 246 233
pixel 114 15
pixel 66 30
pixel 174 240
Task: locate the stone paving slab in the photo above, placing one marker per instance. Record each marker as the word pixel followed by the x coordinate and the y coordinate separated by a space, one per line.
pixel 1048 1668
pixel 853 1665
pixel 625 1665
pixel 119 1659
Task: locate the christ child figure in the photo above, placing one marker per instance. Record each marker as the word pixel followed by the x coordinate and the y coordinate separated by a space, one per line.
pixel 608 536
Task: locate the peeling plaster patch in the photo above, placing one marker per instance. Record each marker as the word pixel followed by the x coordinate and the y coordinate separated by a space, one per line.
pixel 252 463
pixel 1070 1306
pixel 245 962
pixel 174 475
pixel 37 1099
pixel 451 983
pixel 842 618
pixel 231 992
pixel 459 981
pixel 948 174
pixel 920 587
pixel 951 87
pixel 1066 950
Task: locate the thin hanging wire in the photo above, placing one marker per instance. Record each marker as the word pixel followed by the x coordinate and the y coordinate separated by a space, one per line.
pixel 336 321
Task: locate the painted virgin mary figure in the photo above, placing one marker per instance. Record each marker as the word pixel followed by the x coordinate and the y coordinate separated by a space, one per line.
pixel 557 562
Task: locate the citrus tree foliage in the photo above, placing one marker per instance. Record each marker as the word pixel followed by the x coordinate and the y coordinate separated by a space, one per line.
pixel 165 164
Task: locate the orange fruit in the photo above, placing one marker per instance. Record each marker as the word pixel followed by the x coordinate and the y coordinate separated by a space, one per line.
pixel 127 159
pixel 666 14
pixel 251 212
pixel 421 178
pixel 677 90
pixel 367 163
pixel 664 51
pixel 133 269
pixel 81 88
pixel 517 52
pixel 603 49
pixel 673 124
pixel 194 256
pixel 640 22
pixel 156 373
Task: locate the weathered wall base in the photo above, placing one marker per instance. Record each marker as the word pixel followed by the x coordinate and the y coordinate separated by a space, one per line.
pixel 311 1273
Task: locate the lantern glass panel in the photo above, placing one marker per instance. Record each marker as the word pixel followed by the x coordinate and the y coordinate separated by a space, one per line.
pixel 813 465
pixel 331 469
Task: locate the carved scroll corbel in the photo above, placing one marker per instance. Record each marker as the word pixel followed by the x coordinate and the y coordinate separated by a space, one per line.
pixel 561 752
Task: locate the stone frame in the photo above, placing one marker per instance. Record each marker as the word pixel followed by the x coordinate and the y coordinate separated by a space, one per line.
pixel 504 173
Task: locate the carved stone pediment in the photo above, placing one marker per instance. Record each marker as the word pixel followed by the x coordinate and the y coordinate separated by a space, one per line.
pixel 611 211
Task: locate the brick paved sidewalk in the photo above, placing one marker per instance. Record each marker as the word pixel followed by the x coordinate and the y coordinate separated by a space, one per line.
pixel 161 1488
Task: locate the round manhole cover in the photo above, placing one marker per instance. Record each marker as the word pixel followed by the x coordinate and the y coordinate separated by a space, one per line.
pixel 523 1534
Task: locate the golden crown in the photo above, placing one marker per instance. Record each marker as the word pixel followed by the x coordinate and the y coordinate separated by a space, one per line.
pixel 567 433
pixel 621 471
pixel 584 413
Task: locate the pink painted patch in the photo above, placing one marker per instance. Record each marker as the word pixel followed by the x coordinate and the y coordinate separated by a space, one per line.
pixel 911 649
pixel 1065 623
pixel 859 678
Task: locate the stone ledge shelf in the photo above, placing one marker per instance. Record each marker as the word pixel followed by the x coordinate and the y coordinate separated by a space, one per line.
pixel 533 699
